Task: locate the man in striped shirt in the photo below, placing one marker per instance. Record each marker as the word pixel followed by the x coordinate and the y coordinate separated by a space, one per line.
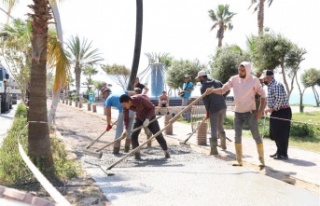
pixel 281 114
pixel 145 112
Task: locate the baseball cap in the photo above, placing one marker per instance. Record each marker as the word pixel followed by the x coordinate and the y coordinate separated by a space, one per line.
pixel 186 75
pixel 266 73
pixel 201 73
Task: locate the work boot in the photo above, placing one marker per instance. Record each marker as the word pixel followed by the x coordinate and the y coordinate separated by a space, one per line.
pixel 137 156
pixel 261 154
pixel 116 150
pixel 238 155
pixel 116 147
pixel 213 145
pixel 127 145
pixel 166 154
pixel 222 136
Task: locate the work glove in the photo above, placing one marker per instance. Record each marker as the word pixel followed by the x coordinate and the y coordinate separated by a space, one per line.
pixel 207 115
pixel 108 127
pixel 146 122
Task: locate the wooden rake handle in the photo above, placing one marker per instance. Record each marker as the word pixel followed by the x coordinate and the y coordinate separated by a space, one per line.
pixel 173 119
pixel 96 139
pixel 185 141
pixel 123 136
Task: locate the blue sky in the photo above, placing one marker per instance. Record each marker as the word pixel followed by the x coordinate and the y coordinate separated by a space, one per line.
pixel 181 27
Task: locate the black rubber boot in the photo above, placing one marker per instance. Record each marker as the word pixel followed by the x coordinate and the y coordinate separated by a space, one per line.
pixel 137 156
pixel 116 150
pixel 166 154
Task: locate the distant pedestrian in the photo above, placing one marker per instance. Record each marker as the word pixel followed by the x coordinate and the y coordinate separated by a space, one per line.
pixel 112 100
pixel 185 94
pixel 163 100
pixel 145 112
pixel 278 106
pixel 215 111
pixel 245 87
pixel 144 89
pixel 104 86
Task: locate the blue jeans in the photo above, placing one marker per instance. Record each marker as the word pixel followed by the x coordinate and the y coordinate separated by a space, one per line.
pixel 186 114
pixel 119 128
pixel 251 119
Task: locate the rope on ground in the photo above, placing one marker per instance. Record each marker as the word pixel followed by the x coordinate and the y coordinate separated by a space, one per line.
pixel 53 192
pixel 284 119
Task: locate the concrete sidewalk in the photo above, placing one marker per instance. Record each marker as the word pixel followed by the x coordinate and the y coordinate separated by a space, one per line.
pixel 302 167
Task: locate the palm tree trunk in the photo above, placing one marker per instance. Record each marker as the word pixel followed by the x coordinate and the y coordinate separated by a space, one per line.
pixel 38 134
pixel 78 79
pixel 261 17
pixel 137 46
pixel 316 96
pixel 54 104
pixel 220 34
pixel 284 77
pixel 56 94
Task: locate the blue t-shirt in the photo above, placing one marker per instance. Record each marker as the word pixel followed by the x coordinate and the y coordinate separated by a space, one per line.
pixel 185 87
pixel 113 101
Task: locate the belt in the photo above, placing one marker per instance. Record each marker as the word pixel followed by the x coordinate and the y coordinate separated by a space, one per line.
pixel 284 107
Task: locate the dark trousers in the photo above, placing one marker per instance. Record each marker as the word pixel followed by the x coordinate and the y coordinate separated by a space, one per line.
pixel 154 128
pixel 280 129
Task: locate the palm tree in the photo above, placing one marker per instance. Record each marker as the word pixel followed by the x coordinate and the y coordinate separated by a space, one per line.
pixel 39 141
pixel 81 54
pixel 137 46
pixel 89 71
pixel 58 59
pixel 36 59
pixel 259 8
pixel 10 4
pixel 222 18
pixel 16 51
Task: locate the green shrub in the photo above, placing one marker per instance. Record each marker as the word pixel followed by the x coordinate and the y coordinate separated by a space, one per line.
pixel 12 167
pixel 21 111
pixel 13 170
pixel 228 122
pixel 302 130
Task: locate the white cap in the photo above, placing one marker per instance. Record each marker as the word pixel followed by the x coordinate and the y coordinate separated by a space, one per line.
pixel 186 75
pixel 201 73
